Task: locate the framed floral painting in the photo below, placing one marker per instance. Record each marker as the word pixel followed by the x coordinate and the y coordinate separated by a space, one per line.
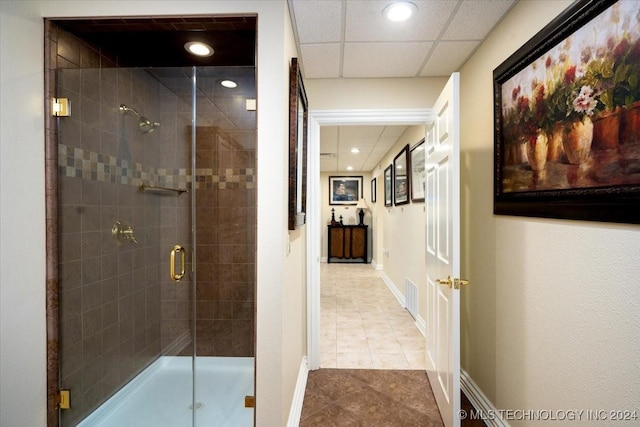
pixel 567 118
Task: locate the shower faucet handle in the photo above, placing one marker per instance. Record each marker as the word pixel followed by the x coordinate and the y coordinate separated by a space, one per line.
pixel 121 231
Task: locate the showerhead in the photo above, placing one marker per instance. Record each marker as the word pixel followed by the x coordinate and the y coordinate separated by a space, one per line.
pixel 144 124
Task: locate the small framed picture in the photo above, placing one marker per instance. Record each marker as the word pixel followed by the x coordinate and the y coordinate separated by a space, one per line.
pixel 345 190
pixel 401 177
pixel 417 172
pixel 388 192
pixel 374 190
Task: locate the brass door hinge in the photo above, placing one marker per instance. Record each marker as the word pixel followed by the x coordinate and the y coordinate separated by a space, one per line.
pixel 249 402
pixel 63 399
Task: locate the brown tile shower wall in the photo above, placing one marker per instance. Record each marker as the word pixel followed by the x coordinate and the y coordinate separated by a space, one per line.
pixel 225 230
pixel 110 295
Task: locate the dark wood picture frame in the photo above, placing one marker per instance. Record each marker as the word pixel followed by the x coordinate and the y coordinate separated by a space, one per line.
pixel 298 116
pixel 567 118
pixel 388 186
pixel 374 190
pixel 402 177
pixel 345 190
pixel 418 171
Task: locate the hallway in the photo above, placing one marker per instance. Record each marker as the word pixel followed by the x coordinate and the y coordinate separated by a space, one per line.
pixel 379 355
pixel 362 325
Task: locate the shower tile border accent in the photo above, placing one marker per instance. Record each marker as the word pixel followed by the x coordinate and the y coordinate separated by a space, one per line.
pixel 78 163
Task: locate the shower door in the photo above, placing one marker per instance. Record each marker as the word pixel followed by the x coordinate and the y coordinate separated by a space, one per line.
pixel 156 245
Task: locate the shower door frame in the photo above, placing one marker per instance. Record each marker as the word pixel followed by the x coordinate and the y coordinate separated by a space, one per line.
pixel 52 215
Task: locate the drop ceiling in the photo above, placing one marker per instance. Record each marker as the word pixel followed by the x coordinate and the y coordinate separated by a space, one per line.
pixel 342 39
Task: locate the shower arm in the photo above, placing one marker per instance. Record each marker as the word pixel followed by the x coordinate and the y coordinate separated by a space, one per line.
pixel 124 109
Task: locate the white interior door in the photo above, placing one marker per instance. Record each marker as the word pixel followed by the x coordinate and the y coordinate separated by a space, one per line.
pixel 442 199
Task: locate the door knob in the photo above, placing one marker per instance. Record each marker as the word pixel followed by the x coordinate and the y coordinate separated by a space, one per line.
pixel 455 283
pixel 446 281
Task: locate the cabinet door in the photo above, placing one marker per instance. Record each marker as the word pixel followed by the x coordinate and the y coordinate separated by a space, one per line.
pixel 358 245
pixel 336 248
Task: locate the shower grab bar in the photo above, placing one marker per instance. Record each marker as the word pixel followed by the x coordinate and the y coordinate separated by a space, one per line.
pixel 153 189
pixel 177 277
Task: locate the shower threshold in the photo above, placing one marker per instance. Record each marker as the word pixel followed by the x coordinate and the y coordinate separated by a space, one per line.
pixel 161 395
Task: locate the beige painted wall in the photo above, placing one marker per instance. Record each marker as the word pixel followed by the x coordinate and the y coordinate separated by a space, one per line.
pixel 293 308
pixel 551 320
pixel 280 318
pixel 402 229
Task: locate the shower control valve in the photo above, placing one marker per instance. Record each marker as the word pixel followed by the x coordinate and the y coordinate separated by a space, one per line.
pixel 122 232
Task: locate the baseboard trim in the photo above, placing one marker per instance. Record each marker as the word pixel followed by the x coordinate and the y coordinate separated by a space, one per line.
pixel 298 395
pixel 480 402
pixel 421 325
pixel 394 289
pixel 419 322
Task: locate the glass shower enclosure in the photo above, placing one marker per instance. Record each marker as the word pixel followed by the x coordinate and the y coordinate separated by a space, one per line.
pixel 157 226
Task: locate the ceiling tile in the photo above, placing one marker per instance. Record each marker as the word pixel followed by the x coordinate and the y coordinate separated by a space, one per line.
pixel 318 21
pixel 384 59
pixel 321 61
pixel 475 19
pixel 447 57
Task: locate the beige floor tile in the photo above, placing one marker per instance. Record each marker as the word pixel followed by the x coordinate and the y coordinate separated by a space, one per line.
pixel 387 345
pixel 354 361
pixel 350 334
pixel 352 346
pixel 416 359
pixel 363 326
pixel 328 360
pixel 389 361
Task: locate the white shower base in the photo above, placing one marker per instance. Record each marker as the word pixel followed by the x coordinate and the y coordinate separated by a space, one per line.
pixel 161 395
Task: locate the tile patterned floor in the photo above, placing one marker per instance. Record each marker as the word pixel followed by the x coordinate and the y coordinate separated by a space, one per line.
pixel 366 397
pixel 380 355
pixel 362 324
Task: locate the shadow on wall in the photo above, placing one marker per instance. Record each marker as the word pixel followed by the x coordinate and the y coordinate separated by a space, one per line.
pixel 478 301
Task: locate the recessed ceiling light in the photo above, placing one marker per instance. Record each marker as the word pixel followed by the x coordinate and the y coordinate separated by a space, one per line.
pixel 355 150
pixel 400 11
pixel 229 83
pixel 199 48
pixel 349 168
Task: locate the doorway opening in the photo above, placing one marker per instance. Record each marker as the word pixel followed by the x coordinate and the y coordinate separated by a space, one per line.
pixel 314 237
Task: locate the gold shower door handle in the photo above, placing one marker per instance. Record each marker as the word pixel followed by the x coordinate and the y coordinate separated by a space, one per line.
pixel 177 277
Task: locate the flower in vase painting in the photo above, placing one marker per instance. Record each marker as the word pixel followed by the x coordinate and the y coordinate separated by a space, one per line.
pixel 585 101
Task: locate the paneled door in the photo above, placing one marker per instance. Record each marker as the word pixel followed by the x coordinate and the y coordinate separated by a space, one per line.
pixel 443 252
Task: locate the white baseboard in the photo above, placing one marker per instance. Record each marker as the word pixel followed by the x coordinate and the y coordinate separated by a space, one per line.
pixel 420 323
pixel 298 395
pixel 480 402
pixel 394 289
pixel 375 265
